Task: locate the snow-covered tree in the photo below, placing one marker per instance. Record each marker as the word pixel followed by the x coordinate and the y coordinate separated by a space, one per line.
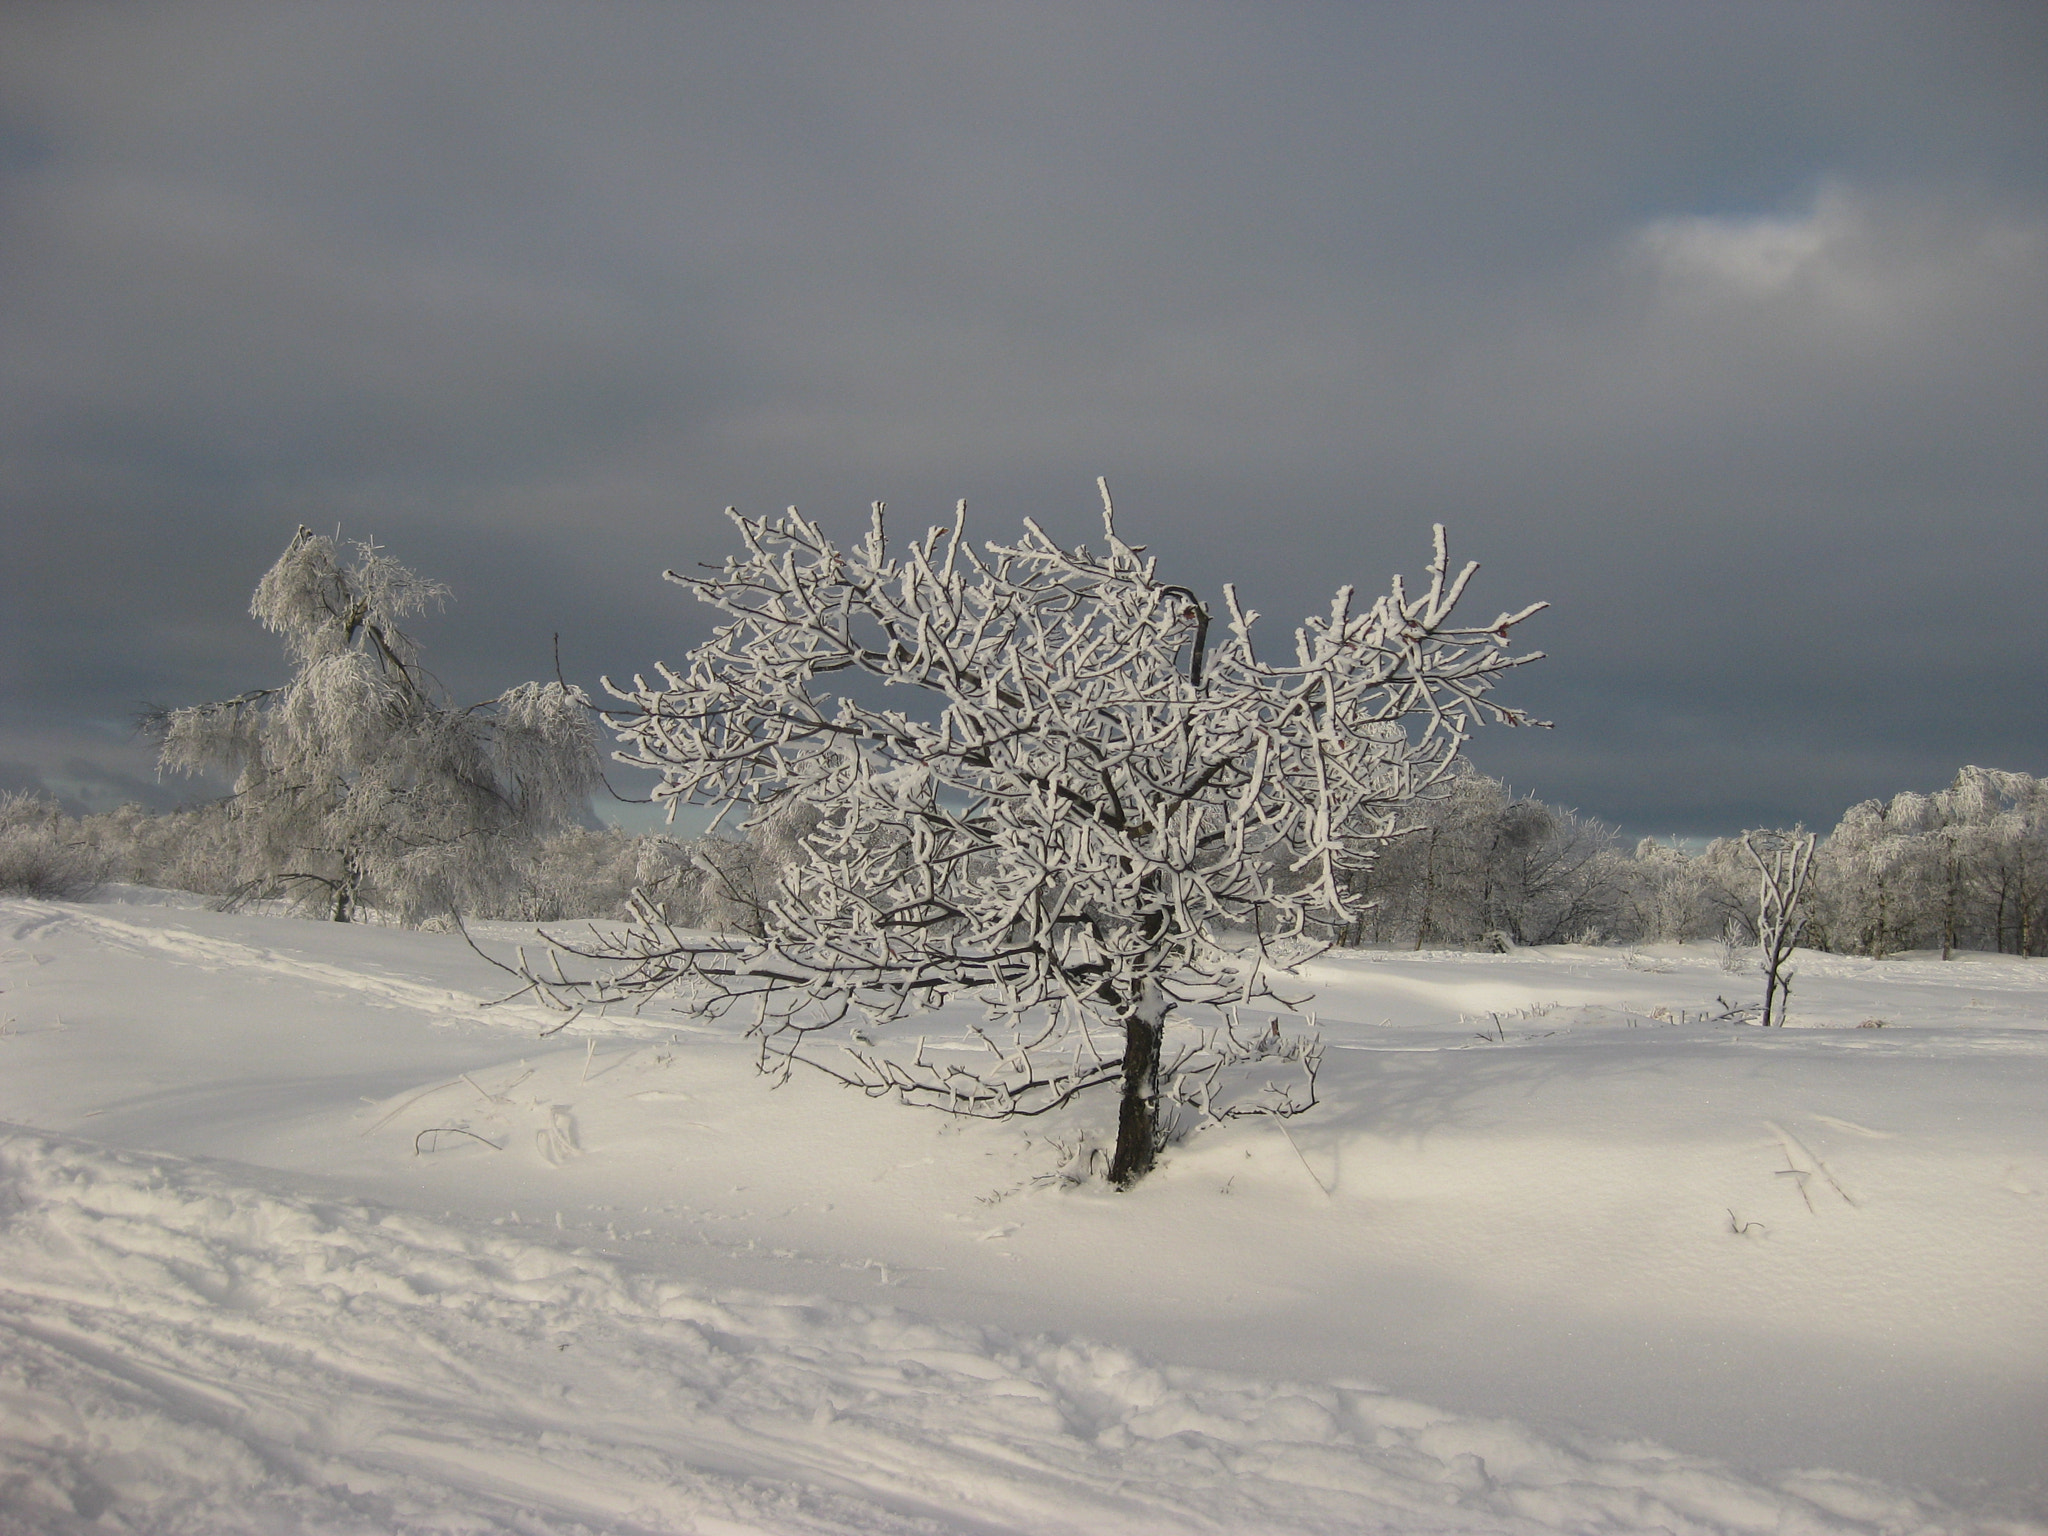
pixel 356 782
pixel 1672 894
pixel 1478 863
pixel 1783 862
pixel 1872 874
pixel 2007 816
pixel 1964 867
pixel 1983 846
pixel 1549 875
pixel 1081 813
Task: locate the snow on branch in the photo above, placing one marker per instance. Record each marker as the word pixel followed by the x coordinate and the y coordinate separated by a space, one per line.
pixel 1082 814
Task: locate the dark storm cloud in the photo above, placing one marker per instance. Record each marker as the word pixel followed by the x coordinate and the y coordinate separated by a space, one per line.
pixel 1723 328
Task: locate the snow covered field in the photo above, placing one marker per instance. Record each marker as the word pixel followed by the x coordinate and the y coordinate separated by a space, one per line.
pixel 297 1235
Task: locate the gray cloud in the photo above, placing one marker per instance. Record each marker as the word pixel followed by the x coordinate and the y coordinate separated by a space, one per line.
pixel 1722 328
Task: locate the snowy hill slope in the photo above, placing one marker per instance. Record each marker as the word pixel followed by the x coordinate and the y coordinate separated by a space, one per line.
pixel 298 1234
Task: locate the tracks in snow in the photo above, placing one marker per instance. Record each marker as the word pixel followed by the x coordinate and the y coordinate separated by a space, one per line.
pixel 438 1003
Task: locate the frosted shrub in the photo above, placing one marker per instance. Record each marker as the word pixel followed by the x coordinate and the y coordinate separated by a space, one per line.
pixel 196 849
pixel 571 872
pixel 722 884
pixel 38 858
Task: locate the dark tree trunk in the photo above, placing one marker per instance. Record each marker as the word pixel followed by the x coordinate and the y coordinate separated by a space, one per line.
pixel 1950 902
pixel 1137 1125
pixel 1426 921
pixel 1776 993
pixel 345 890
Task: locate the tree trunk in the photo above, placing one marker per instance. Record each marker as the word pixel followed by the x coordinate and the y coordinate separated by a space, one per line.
pixel 1137 1126
pixel 345 889
pixel 1949 903
pixel 1423 923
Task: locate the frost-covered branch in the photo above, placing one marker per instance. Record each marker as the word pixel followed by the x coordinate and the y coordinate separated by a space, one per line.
pixel 1064 821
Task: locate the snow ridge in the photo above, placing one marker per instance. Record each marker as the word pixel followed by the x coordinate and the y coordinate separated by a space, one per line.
pixel 183 1351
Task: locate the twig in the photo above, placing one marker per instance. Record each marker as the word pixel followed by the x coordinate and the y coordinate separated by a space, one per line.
pixel 573 1017
pixel 408 1104
pixel 499 1096
pixel 1304 1161
pixel 435 1130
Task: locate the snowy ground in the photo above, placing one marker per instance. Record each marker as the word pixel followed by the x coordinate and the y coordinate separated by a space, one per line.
pixel 295 1235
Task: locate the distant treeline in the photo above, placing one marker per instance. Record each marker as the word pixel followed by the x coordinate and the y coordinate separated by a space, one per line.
pixel 1964 868
pixel 711 882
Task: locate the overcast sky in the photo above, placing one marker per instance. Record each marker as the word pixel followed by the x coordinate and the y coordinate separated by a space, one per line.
pixel 1722 327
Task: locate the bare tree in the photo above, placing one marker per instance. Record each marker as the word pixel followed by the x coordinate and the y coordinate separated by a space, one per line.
pixel 355 780
pixel 1783 861
pixel 1430 881
pixel 1475 862
pixel 1551 875
pixel 1083 816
